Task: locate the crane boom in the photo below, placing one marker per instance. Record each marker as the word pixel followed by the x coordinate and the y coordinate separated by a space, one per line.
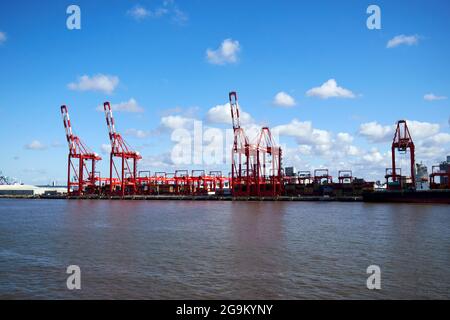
pixel 68 128
pixel 234 110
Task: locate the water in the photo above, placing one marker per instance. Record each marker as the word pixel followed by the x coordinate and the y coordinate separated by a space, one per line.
pixel 222 250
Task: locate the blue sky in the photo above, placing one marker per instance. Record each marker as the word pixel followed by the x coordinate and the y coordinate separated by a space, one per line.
pixel 156 52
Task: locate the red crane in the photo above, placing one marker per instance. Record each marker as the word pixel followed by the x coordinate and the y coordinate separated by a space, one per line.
pixel 322 176
pixel 84 179
pixel 441 171
pixel 182 182
pixel 402 142
pixel 124 181
pixel 269 180
pixel 242 165
pixel 345 176
pixel 255 169
pixel 218 181
pixel 304 177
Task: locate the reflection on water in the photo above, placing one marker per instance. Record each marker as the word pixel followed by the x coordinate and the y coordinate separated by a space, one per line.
pixel 215 250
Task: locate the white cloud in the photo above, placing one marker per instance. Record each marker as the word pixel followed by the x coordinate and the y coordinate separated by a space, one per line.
pixel 321 137
pixel 352 150
pixel 105 148
pixel 403 40
pixel 157 162
pixel 438 139
pixel 222 114
pixel 433 97
pixel 375 132
pixel 226 53
pixel 141 134
pixel 189 112
pixel 374 156
pixel 294 129
pixel 432 154
pixel 327 152
pixel 344 137
pixel 126 106
pixel 176 122
pixel 304 149
pixel 168 8
pixel 304 133
pixel 330 89
pixel 324 150
pixel 421 130
pixel 35 145
pixel 180 17
pixel 3 37
pixel 138 12
pixel 57 144
pixel 98 82
pixel 282 99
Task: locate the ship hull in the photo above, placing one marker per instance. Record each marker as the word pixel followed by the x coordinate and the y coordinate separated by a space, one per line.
pixel 428 196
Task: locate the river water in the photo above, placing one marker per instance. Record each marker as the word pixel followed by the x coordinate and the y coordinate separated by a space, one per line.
pixel 222 250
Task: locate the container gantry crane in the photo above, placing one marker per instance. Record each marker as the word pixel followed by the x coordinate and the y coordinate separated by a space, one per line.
pixel 84 179
pixel 182 182
pixel 242 168
pixel 442 172
pixel 304 177
pixel 218 181
pixel 269 179
pixel 322 176
pixel 402 142
pixel 345 176
pixel 124 181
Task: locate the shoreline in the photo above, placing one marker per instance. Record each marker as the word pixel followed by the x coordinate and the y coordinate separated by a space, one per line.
pixel 420 197
pixel 192 198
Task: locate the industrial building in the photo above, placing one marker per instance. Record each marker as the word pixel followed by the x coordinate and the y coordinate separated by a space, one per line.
pixel 11 190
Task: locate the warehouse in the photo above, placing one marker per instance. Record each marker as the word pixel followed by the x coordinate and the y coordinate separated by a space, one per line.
pixel 29 190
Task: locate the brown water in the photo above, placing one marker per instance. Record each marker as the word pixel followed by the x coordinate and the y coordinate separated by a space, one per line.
pixel 223 250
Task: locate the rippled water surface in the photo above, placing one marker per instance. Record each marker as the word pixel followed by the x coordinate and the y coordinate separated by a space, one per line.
pixel 223 250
